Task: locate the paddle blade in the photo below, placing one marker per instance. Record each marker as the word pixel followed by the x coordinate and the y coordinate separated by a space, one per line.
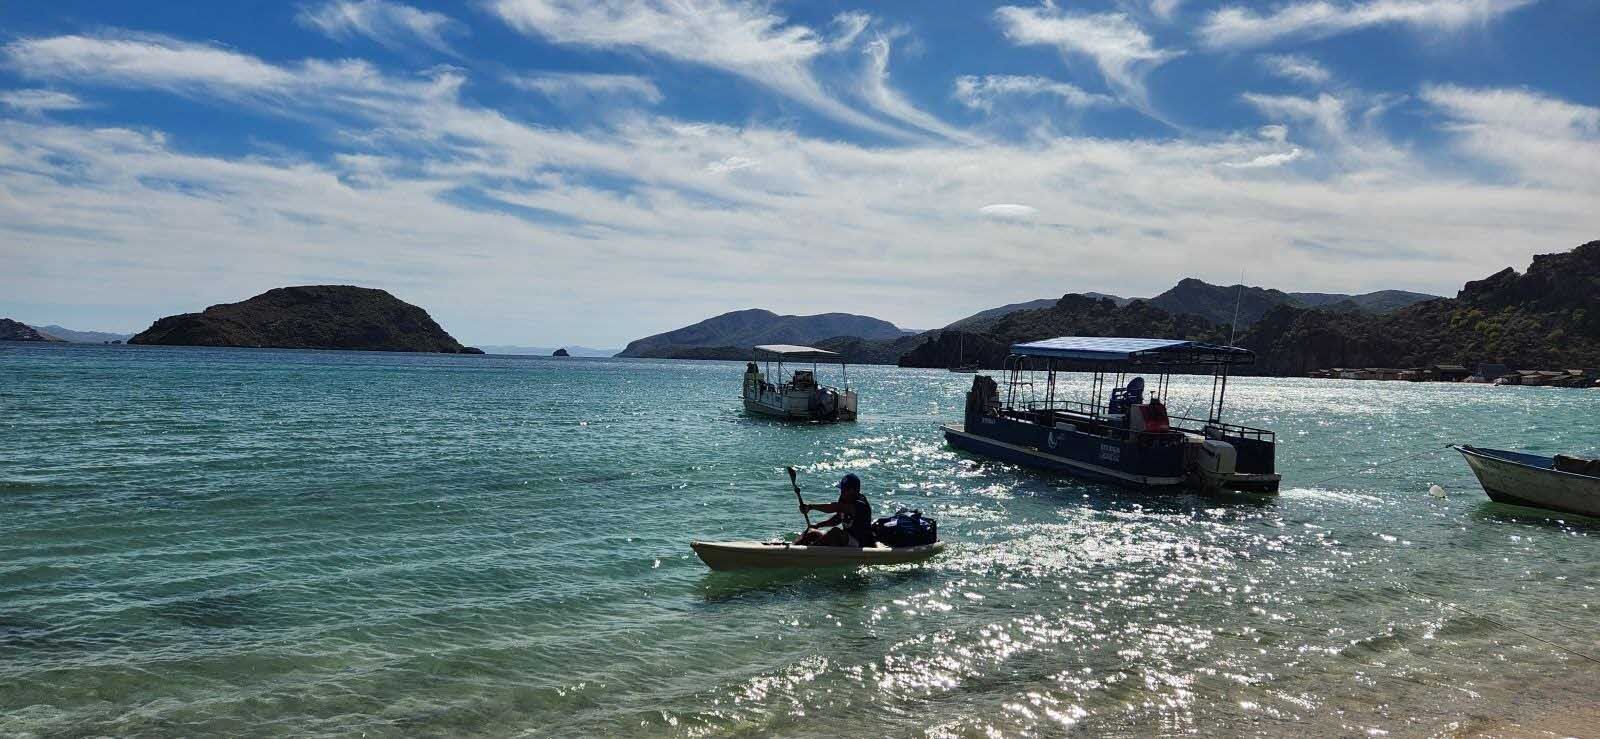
pixel 791 474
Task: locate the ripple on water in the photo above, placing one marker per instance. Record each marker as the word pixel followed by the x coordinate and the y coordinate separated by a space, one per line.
pixel 226 542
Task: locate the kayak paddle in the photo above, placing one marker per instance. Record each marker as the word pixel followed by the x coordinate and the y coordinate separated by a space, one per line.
pixel 796 484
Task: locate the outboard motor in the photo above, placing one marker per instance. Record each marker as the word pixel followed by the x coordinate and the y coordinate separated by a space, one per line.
pixel 752 379
pixel 983 399
pixel 825 403
pixel 1210 463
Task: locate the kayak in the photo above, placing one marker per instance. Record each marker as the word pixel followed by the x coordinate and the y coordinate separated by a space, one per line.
pixel 744 555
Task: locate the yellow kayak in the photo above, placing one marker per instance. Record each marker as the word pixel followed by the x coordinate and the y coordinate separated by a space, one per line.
pixel 744 555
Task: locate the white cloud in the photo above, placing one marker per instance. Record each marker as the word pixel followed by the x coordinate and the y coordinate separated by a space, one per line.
pixel 1296 67
pixel 1119 48
pixel 981 93
pixel 1238 27
pixel 875 89
pixel 1345 125
pixel 741 39
pixel 1009 211
pixel 40 101
pixel 1165 9
pixel 1274 132
pixel 143 61
pixel 499 226
pixel 587 85
pixel 850 26
pixel 1275 159
pixel 392 24
pixel 337 89
pixel 1536 137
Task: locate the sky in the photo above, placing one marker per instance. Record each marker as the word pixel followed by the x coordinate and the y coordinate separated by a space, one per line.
pixel 550 172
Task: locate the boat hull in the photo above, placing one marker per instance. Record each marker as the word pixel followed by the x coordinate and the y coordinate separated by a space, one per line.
pixel 1531 480
pixel 1017 453
pixel 798 405
pixel 767 555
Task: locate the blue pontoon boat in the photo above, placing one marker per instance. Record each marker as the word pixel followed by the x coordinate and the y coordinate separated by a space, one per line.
pixel 1119 435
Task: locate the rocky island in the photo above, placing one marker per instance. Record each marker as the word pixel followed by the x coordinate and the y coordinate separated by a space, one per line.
pixel 309 317
pixel 16 331
pixel 560 353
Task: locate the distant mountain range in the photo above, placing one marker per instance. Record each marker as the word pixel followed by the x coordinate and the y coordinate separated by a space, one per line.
pixel 82 337
pixel 739 330
pixel 1216 303
pixel 1545 318
pixel 545 351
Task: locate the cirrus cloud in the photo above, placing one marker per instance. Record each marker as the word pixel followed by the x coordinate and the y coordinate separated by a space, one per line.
pixel 389 23
pixel 1237 27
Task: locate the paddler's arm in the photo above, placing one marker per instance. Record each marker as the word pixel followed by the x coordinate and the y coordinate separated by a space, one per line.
pixel 824 507
pixel 833 520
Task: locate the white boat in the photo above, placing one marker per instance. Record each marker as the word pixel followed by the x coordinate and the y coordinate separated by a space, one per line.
pixel 1559 484
pixel 799 396
pixel 747 555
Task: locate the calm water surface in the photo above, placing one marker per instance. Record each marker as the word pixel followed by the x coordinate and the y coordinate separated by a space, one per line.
pixel 205 542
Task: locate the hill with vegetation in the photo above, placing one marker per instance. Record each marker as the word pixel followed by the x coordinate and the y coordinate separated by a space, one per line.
pixel 1546 318
pixel 738 331
pixel 309 317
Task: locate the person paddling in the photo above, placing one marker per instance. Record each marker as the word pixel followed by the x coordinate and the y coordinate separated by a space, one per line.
pixel 851 521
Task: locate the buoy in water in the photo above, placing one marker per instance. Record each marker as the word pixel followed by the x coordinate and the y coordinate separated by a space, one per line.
pixel 1436 491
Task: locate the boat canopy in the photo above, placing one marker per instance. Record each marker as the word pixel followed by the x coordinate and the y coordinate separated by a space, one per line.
pixel 792 351
pixel 1134 351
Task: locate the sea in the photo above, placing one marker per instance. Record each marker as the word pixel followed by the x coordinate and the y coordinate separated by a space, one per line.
pixel 206 542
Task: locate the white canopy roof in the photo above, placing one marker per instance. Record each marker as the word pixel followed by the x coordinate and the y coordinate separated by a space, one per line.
pixel 793 351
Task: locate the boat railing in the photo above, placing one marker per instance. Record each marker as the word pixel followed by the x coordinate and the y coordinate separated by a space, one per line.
pixel 1229 429
pixel 1091 415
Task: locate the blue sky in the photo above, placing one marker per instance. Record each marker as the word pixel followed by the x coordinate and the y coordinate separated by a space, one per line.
pixel 555 171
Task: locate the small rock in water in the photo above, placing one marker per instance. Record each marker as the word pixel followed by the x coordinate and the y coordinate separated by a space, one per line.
pixel 1436 491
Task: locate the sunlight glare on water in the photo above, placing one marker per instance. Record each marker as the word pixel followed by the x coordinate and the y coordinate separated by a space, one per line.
pixel 244 541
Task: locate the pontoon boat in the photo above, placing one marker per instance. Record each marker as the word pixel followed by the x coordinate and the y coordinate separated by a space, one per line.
pixel 1119 435
pixel 799 396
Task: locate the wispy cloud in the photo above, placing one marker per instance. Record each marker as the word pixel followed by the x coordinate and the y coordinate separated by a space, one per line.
pixel 502 224
pixel 1536 137
pixel 1345 124
pixel 1239 27
pixel 875 89
pixel 40 101
pixel 587 85
pixel 389 23
pixel 345 87
pixel 1296 67
pixel 981 93
pixel 1118 47
pixel 740 39
pixel 154 61
pixel 1275 159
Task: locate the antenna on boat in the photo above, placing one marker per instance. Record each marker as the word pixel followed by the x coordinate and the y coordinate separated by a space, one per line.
pixel 1238 298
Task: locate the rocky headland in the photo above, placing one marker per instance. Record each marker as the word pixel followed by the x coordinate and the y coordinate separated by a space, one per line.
pixel 309 317
pixel 17 331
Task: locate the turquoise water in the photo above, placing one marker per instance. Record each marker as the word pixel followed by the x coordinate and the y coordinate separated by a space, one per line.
pixel 201 542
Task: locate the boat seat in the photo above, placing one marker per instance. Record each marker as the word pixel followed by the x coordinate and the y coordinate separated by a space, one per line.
pixel 1578 465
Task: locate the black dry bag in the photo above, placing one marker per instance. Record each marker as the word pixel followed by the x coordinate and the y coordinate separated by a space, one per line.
pixel 906 528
